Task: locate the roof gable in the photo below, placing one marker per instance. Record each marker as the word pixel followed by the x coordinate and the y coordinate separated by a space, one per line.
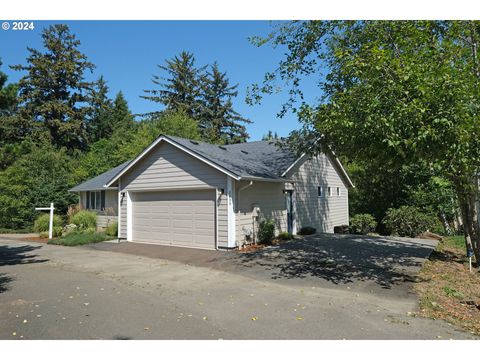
pixel 262 160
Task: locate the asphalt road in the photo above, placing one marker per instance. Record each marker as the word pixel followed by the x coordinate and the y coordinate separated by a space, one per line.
pixel 54 292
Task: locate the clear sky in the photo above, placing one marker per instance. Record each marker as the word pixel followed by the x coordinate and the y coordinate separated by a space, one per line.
pixel 126 53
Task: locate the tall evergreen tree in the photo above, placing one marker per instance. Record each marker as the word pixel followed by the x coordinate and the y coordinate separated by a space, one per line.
pixel 8 95
pixel 121 113
pixel 180 90
pixel 53 92
pixel 219 122
pixel 270 136
pixel 100 124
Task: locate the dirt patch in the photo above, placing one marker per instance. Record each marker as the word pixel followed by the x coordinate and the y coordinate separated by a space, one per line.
pixel 430 236
pixel 255 247
pixel 36 239
pixel 447 289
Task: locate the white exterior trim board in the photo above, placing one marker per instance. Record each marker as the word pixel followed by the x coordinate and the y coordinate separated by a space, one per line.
pixel 231 243
pixel 129 216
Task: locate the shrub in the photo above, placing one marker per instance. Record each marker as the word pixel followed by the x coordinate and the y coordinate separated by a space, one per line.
pixel 408 221
pixel 72 210
pixel 80 238
pixel 363 224
pixel 266 231
pixel 112 229
pixel 284 236
pixel 85 219
pixel 43 223
pixel 56 232
pixel 307 230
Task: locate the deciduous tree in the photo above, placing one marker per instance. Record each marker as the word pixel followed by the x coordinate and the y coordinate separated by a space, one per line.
pixel 395 92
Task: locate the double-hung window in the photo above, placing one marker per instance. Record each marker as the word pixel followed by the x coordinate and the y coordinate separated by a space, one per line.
pixel 96 200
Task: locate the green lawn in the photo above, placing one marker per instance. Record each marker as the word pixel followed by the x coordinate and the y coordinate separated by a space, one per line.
pixel 457 242
pixel 80 238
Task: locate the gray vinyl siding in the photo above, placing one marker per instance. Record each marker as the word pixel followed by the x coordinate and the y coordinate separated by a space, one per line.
pixel 323 213
pixel 111 202
pixel 272 203
pixel 104 220
pixel 83 199
pixel 168 168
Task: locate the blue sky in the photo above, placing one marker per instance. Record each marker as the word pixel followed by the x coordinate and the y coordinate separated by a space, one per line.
pixel 126 53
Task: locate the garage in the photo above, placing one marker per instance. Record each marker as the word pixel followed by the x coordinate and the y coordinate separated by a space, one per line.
pixel 178 218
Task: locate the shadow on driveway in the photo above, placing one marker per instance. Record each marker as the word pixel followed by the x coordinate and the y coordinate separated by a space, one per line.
pixel 15 255
pixel 328 258
pixel 342 259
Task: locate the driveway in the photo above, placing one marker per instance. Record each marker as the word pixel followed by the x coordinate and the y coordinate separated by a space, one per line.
pixel 382 265
pixel 293 291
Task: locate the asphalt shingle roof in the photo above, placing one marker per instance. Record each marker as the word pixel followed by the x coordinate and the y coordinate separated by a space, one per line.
pixel 262 159
pixel 98 182
pixel 257 159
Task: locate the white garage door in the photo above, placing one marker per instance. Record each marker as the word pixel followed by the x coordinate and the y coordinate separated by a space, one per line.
pixel 178 218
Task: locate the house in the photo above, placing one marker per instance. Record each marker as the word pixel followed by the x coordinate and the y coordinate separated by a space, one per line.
pixel 188 193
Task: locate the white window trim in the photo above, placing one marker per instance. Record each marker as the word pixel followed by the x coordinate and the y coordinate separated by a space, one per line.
pixel 339 191
pixel 329 191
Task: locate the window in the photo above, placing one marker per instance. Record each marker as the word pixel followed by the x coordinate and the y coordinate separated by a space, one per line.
pixel 320 191
pixel 339 191
pixel 329 191
pixel 96 200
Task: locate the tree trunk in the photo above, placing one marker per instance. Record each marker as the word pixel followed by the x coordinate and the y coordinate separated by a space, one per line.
pixel 446 225
pixel 467 201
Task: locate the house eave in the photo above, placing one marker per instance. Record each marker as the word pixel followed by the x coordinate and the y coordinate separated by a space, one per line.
pixel 94 189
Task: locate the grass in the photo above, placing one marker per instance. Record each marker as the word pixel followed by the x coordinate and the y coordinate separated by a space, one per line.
pixel 15 231
pixel 456 243
pixel 80 238
pixel 446 288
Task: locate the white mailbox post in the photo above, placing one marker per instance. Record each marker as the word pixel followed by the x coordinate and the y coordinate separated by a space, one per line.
pixel 50 228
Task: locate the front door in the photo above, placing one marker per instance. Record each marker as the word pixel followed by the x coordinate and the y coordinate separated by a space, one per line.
pixel 289 211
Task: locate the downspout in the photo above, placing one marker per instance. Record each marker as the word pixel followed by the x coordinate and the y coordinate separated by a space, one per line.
pixel 240 190
pixel 245 187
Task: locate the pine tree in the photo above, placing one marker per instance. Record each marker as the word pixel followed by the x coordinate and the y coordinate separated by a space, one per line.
pixel 8 95
pixel 180 90
pixel 270 136
pixel 100 124
pixel 53 92
pixel 122 116
pixel 219 122
pixel 12 128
